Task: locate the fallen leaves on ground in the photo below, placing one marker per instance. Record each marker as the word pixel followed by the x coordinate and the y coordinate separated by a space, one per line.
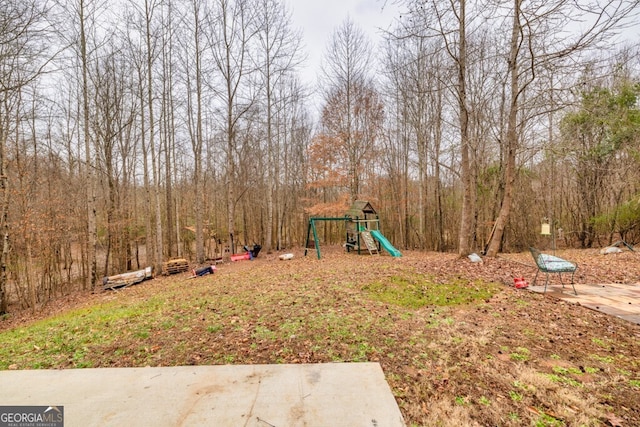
pixel 513 358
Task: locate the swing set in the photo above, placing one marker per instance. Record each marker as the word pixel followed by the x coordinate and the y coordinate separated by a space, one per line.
pixel 362 231
pixel 357 234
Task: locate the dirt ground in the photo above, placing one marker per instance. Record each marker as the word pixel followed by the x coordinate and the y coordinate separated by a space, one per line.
pixel 514 358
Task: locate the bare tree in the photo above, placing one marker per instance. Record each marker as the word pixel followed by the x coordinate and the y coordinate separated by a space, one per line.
pixel 229 41
pixel 89 175
pixel 23 56
pixel 195 118
pixel 293 129
pixel 80 35
pixel 170 14
pixel 151 54
pixel 111 124
pixel 278 56
pixel 416 73
pixel 449 23
pixel 352 106
pixel 137 57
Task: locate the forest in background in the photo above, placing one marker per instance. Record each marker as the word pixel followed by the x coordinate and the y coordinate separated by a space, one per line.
pixel 143 130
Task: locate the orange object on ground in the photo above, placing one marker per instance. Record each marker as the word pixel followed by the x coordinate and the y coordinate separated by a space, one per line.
pixel 240 257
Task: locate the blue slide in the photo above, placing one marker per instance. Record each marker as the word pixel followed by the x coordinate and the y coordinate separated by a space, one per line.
pixel 385 243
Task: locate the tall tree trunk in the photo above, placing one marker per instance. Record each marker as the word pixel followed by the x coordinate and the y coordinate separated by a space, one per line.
pixel 169 127
pixel 198 141
pixel 511 139
pixel 149 244
pixel 466 216
pixel 231 170
pixel 271 176
pixel 158 258
pixel 4 211
pixel 92 234
pixel 168 141
pixel 437 142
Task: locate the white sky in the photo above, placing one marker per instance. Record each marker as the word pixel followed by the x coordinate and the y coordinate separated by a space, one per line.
pixel 318 19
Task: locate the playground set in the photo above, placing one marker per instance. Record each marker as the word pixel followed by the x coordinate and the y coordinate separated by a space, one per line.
pixel 362 231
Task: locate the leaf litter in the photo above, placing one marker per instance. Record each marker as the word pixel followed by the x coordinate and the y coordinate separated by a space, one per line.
pixel 457 343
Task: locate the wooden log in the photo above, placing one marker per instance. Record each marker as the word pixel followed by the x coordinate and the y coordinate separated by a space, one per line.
pixel 126 279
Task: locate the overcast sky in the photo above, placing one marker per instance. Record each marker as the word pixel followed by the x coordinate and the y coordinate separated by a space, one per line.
pixel 317 19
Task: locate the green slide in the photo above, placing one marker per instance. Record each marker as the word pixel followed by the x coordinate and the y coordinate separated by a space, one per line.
pixel 385 243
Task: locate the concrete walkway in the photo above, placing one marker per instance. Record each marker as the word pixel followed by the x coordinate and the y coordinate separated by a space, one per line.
pixel 335 394
pixel 620 300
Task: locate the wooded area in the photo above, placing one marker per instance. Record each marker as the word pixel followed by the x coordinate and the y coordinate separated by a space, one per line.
pixel 137 131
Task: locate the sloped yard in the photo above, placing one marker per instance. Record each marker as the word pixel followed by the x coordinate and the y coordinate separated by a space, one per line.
pixel 457 345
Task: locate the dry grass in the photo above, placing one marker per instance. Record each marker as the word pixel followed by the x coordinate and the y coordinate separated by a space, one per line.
pixel 457 346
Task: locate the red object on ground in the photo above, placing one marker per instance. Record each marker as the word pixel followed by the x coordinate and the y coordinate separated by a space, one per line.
pixel 240 257
pixel 520 283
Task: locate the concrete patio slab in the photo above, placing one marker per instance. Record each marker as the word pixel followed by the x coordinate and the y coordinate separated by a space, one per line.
pixel 616 299
pixel 335 394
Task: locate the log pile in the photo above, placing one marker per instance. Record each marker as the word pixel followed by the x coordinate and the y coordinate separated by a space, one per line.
pixel 174 266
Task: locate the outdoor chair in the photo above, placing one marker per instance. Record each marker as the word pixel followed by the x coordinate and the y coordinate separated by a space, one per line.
pixel 552 264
